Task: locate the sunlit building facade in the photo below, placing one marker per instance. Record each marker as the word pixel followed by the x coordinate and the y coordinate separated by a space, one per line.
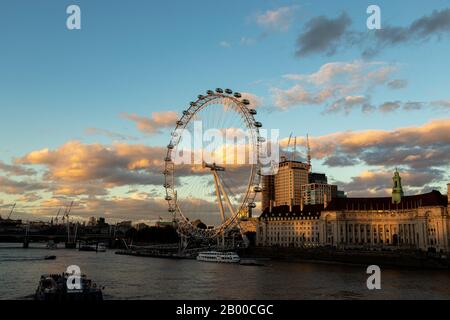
pixel 284 187
pixel 419 222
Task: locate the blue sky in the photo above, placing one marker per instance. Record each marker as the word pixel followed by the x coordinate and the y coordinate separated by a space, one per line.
pixel 152 56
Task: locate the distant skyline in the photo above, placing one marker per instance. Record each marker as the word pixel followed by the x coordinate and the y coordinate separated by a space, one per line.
pixel 86 114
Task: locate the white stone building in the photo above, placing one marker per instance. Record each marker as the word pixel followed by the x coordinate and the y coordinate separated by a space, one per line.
pixel 416 222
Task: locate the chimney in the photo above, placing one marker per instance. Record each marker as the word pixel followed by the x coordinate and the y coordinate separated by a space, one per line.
pixel 301 204
pixel 290 205
pixel 325 200
pixel 270 205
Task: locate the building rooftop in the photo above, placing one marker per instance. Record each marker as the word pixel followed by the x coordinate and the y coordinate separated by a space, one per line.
pixel 433 198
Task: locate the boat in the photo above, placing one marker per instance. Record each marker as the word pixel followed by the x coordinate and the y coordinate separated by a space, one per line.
pixel 101 247
pixel 53 287
pixel 216 256
pixel 97 247
pixel 51 245
pixel 49 257
pixel 87 247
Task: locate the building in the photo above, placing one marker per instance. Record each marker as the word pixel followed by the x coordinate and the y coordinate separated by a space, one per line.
pixel 289 226
pixel 419 222
pixel 294 184
pixel 284 187
pixel 317 178
pixel 318 193
pixel 288 181
pixel 268 191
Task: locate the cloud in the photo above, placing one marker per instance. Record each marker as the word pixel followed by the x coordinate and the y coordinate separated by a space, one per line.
pixel 153 125
pixel 378 183
pixel 442 104
pixel 413 106
pixel 278 19
pixel 11 186
pixel 30 197
pixel 247 41
pixel 75 168
pixel 348 103
pixel 113 209
pixel 421 29
pixel 16 170
pixel 340 86
pixel 340 161
pixel 390 106
pixel 255 101
pixel 419 148
pixel 109 134
pixel 225 44
pixel 397 84
pixel 323 35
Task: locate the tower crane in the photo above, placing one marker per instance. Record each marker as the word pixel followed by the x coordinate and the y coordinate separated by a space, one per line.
pixel 284 157
pixel 12 210
pixel 67 212
pixel 57 215
pixel 308 147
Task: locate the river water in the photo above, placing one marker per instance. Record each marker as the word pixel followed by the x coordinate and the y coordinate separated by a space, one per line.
pixel 127 277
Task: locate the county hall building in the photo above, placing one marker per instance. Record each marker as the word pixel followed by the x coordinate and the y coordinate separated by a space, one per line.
pixel 397 222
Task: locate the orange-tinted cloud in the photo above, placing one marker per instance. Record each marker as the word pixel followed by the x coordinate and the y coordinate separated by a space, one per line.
pixel 153 125
pixel 419 147
pixel 76 168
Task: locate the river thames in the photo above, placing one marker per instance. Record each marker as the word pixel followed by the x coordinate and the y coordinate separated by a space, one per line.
pixel 138 278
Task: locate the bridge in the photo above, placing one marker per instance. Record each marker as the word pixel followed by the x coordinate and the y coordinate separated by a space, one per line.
pixel 27 238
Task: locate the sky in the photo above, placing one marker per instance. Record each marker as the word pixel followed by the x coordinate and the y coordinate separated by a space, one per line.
pixel 86 114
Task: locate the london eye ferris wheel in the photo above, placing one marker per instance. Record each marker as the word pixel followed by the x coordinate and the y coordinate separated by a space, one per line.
pixel 212 166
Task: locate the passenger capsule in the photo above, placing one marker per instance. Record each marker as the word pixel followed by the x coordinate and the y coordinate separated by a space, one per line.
pixel 168 198
pixel 170 146
pixel 228 91
pixel 257 189
pixel 261 139
pixel 245 101
pixel 210 92
pixel 185 113
pixel 237 95
pixel 252 111
pixel 219 90
pixel 200 96
pixel 252 205
pixel 258 124
pixel 179 123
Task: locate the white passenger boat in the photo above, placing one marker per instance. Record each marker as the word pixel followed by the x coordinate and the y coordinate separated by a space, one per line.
pixel 216 256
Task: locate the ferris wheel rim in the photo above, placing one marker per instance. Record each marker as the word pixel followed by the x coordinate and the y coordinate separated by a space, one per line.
pixel 185 226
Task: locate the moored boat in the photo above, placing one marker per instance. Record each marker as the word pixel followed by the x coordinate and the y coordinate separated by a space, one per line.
pixel 221 257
